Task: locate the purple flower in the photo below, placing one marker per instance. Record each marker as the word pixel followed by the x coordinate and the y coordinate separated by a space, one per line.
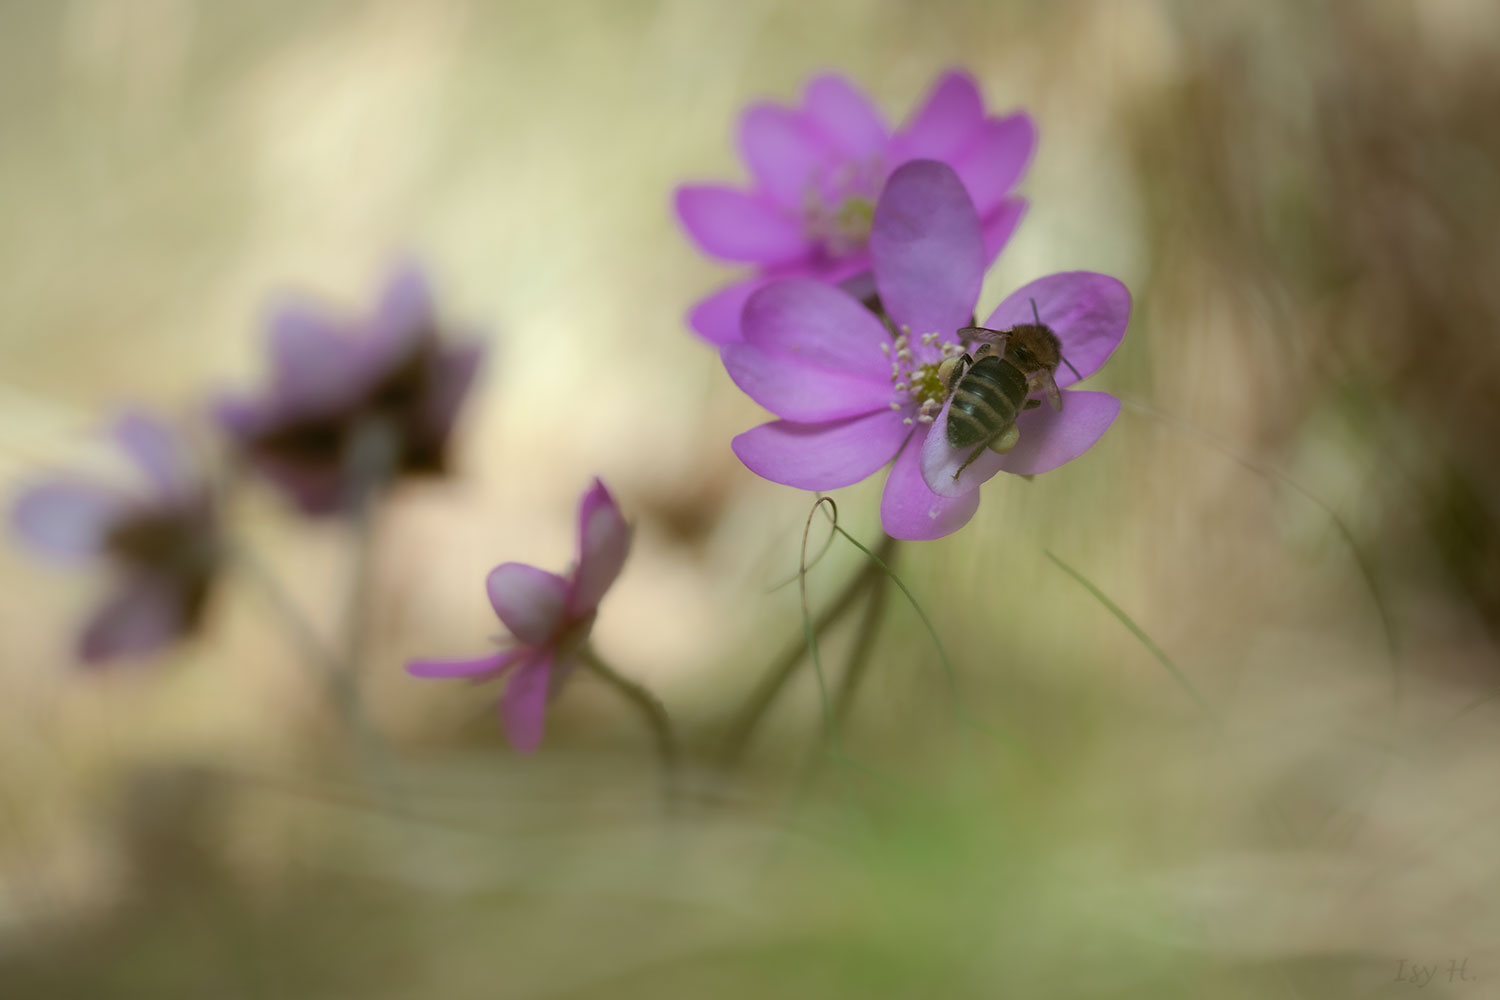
pixel 818 172
pixel 550 617
pixel 852 393
pixel 162 542
pixel 351 402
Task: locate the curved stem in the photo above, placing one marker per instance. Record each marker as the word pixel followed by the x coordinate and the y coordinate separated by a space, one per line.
pixel 784 666
pixel 651 709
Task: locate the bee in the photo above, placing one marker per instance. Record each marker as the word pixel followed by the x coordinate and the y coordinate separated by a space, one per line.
pixel 993 386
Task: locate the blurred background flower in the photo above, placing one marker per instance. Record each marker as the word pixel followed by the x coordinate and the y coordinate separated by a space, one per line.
pixel 1297 506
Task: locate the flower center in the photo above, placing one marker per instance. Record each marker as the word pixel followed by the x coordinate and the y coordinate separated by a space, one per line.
pixel 917 383
pixel 840 211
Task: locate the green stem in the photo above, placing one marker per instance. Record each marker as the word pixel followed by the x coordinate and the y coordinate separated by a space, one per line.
pixel 650 707
pixel 859 656
pixel 784 666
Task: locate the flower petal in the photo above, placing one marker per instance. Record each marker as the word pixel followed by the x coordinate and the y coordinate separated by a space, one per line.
pixel 1087 311
pixel 1000 225
pixel 821 326
pixel 784 152
pixel 845 115
pixel 794 390
pixel 822 456
pixel 66 521
pixel 404 315
pixel 524 704
pixel 737 226
pixel 995 161
pixel 480 668
pixel 603 543
pixel 717 318
pixel 311 359
pixel 927 248
pixel 909 510
pixel 151 445
pixel 1050 437
pixel 946 121
pixel 529 601
pixel 144 615
pixel 450 377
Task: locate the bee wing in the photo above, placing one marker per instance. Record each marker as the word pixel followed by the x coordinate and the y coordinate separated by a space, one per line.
pixel 984 335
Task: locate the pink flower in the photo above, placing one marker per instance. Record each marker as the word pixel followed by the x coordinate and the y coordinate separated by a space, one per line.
pixel 162 542
pixel 817 173
pixel 550 617
pixel 334 379
pixel 852 393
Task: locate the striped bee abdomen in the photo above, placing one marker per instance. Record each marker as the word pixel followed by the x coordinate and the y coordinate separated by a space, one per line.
pixel 985 401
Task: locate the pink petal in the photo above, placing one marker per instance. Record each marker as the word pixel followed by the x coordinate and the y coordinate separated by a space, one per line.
pixel 909 510
pixel 1000 225
pixel 523 707
pixel 845 116
pixel 452 375
pixel 945 123
pixel 737 226
pixel 603 543
pixel 151 446
pixel 66 521
pixel 717 318
pixel 820 326
pixel 785 152
pixel 928 249
pixel 821 456
pixel 404 315
pixel 312 361
pixel 793 390
pixel 1050 438
pixel 480 668
pixel 144 615
pixel 996 159
pixel 1087 311
pixel 529 601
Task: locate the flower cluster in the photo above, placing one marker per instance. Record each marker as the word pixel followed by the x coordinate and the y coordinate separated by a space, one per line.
pixel 855 389
pixel 856 331
pixel 819 170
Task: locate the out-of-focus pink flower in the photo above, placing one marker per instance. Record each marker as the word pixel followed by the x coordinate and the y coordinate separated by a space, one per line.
pixel 817 172
pixel 852 393
pixel 352 400
pixel 549 617
pixel 162 542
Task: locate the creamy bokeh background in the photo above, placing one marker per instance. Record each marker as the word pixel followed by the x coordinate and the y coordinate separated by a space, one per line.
pixel 1304 205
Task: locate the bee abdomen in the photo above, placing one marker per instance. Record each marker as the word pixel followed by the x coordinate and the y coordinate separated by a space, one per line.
pixel 985 401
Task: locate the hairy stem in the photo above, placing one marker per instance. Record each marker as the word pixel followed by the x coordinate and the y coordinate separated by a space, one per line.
pixel 743 728
pixel 651 708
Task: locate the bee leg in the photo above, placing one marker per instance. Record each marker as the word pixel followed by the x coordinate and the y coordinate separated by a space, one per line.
pixel 972 455
pixel 1043 380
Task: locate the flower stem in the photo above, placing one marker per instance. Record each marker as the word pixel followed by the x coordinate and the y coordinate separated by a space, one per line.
pixel 864 645
pixel 293 622
pixel 651 709
pixel 371 463
pixel 784 666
